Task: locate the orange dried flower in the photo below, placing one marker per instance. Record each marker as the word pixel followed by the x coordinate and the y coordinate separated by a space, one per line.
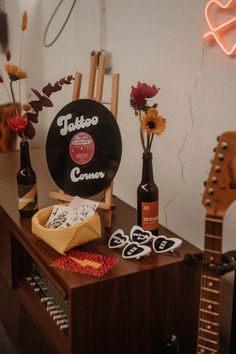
pixel 24 21
pixel 152 122
pixel 14 72
pixel 26 107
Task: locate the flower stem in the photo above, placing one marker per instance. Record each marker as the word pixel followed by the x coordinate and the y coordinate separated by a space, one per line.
pixel 141 132
pixel 24 139
pixel 13 98
pixel 150 142
pixel 21 47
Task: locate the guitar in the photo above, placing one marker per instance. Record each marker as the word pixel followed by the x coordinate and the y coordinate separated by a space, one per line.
pixel 219 193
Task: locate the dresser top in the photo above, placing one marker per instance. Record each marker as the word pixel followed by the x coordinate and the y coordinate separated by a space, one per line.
pixel 124 217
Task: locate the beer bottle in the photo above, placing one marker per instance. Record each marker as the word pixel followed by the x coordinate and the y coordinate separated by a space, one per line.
pixel 26 183
pixel 147 197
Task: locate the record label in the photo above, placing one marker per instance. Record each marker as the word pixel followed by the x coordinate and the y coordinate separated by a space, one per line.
pixel 83 148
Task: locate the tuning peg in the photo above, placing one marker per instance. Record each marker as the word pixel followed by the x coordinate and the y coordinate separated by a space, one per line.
pixel 217 168
pixel 220 157
pixel 210 191
pixel 224 145
pixel 214 179
pixel 207 202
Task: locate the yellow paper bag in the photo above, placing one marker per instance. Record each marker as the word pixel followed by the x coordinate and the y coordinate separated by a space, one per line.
pixel 64 239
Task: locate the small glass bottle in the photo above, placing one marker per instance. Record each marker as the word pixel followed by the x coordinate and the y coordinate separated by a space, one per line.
pixel 26 183
pixel 147 198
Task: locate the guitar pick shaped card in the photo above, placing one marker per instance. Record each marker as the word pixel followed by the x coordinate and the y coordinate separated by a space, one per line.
pixel 163 244
pixel 118 239
pixel 135 250
pixel 138 234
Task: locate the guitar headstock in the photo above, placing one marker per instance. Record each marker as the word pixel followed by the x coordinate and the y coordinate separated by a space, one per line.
pixel 220 189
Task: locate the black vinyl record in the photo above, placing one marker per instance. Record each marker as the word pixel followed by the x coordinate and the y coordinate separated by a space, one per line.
pixel 83 148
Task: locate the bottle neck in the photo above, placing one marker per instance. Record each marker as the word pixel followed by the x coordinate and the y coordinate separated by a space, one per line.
pixel 24 155
pixel 147 172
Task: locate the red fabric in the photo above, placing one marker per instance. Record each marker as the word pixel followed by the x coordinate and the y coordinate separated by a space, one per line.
pixel 65 262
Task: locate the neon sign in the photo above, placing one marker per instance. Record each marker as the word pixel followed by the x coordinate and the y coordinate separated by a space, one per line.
pixel 217 31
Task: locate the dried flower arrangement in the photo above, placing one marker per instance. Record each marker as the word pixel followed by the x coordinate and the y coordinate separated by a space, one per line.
pixel 151 123
pixel 24 116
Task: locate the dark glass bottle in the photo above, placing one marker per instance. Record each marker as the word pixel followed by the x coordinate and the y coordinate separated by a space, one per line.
pixel 147 198
pixel 26 183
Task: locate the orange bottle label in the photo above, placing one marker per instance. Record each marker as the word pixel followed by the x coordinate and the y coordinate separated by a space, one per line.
pixel 150 219
pixel 27 197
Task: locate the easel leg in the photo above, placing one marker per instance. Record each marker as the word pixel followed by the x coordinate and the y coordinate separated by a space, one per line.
pixel 108 218
pixel 108 200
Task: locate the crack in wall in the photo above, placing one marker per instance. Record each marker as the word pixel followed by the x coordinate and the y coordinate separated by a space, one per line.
pixel 170 201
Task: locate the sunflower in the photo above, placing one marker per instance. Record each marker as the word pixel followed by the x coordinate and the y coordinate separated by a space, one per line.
pixel 152 122
pixel 15 72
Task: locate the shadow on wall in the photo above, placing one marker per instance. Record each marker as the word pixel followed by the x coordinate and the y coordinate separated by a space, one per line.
pixel 3 27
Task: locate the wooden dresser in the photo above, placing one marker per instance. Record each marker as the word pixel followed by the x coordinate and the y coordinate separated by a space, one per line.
pixel 133 309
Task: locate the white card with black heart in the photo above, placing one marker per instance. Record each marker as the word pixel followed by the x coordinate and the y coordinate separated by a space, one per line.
pixel 163 244
pixel 135 250
pixel 118 239
pixel 138 234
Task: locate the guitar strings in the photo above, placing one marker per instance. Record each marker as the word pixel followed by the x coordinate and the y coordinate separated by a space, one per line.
pixel 209 245
pixel 204 293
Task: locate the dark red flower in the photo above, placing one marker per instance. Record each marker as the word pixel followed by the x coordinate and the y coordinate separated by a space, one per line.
pixel 33 117
pixel 8 55
pixel 18 123
pixel 29 131
pixel 140 93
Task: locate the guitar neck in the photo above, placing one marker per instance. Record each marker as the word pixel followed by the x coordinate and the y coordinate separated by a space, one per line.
pixel 209 319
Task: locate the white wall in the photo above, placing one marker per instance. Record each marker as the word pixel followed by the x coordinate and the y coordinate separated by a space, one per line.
pixel 158 42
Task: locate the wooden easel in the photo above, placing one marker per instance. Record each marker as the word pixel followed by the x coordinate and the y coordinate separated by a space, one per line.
pixel 95 92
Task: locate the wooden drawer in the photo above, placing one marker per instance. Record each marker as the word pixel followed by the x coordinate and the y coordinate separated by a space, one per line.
pixel 5 254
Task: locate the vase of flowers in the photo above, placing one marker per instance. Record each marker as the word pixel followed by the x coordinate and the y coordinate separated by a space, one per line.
pixel 24 116
pixel 150 124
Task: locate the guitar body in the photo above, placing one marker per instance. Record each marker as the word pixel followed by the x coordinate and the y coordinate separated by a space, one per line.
pixel 219 193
